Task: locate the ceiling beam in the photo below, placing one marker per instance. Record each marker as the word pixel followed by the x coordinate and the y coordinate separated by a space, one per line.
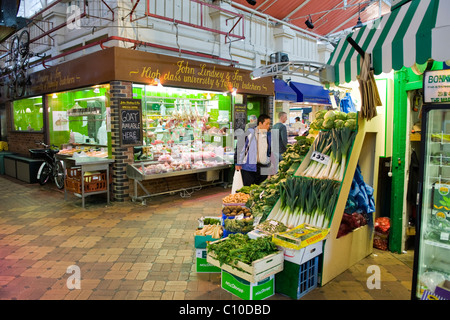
pixel 296 9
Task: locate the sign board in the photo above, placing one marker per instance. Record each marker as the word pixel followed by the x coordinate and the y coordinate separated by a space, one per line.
pixel 240 116
pixel 436 86
pixel 130 112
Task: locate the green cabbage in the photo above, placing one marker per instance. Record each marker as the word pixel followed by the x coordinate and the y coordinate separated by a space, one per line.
pixel 351 115
pixel 341 115
pixel 320 114
pixel 350 123
pixel 338 124
pixel 328 123
pixel 318 125
pixel 330 115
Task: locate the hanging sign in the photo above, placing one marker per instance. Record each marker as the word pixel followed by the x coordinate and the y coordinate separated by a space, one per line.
pixel 436 86
pixel 130 113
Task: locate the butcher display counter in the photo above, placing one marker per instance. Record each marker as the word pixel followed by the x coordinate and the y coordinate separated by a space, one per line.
pixel 211 172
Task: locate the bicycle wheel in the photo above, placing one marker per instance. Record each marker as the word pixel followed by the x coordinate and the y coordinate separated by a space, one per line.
pixel 45 175
pixel 59 175
pixel 14 50
pixel 24 43
pixel 21 83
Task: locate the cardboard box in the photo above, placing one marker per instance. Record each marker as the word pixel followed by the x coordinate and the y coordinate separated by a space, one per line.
pixel 247 290
pixel 300 237
pixel 201 265
pixel 443 290
pixel 304 254
pixel 200 242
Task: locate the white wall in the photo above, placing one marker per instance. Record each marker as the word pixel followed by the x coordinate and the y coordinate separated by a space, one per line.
pixel 263 36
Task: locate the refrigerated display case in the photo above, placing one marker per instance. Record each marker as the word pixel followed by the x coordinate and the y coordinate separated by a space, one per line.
pixel 432 251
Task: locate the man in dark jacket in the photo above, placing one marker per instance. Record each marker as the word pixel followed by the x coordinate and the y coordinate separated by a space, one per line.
pixel 282 133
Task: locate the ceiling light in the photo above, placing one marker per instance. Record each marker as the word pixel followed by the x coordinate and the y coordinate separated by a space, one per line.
pixel 158 82
pixel 358 23
pixel 96 90
pixel 309 23
pixel 54 96
pixel 251 2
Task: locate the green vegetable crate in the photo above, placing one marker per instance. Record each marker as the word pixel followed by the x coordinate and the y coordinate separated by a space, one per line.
pixel 201 265
pixel 257 271
pixel 246 290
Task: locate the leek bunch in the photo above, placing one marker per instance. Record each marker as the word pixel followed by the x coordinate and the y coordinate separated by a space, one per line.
pixel 305 200
pixel 336 145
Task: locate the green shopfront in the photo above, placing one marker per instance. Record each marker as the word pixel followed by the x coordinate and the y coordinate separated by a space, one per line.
pixel 75 105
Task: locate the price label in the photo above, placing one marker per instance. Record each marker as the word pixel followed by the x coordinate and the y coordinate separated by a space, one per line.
pixel 217 139
pixel 444 236
pixel 319 157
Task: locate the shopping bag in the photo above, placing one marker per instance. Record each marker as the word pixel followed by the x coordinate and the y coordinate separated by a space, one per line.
pixel 237 181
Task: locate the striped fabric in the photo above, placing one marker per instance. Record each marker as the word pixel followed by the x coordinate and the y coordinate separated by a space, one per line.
pixel 412 33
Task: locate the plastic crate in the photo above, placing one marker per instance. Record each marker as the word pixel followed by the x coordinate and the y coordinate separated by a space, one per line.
pixel 297 280
pixel 93 181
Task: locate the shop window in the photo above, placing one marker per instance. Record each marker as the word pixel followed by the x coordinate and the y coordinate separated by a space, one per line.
pixel 79 117
pixel 181 116
pixel 27 115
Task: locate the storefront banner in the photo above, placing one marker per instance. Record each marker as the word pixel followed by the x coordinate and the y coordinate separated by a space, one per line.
pixel 436 86
pixel 149 68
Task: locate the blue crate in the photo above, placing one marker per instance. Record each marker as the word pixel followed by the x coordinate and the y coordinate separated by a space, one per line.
pixel 296 280
pixel 308 277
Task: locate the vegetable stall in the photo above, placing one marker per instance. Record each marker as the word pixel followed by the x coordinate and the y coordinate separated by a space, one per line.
pixel 278 228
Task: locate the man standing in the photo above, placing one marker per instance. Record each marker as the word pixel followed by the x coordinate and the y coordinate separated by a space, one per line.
pixel 253 122
pixel 254 154
pixel 282 133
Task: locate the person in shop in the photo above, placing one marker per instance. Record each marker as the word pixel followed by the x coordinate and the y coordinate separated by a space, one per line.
pixel 252 122
pixel 299 126
pixel 282 134
pixel 254 154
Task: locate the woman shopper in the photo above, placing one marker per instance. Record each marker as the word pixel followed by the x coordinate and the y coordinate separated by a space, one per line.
pixel 253 156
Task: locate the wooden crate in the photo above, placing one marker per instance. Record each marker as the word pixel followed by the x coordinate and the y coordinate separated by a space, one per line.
pixel 257 271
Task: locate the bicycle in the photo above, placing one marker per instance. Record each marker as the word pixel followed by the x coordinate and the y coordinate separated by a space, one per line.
pixel 19 59
pixel 51 167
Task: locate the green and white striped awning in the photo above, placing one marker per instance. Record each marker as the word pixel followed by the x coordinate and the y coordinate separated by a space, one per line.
pixel 413 33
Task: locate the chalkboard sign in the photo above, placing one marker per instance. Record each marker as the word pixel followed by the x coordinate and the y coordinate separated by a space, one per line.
pixel 240 116
pixel 130 113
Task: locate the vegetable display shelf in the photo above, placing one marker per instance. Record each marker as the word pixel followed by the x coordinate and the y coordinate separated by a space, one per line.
pixel 341 253
pixel 136 172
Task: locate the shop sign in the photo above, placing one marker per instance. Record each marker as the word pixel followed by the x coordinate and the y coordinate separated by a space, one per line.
pixel 84 71
pixel 130 111
pixel 436 86
pixel 147 67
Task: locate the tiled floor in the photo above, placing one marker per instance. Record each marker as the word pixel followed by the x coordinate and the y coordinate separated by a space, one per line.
pixel 134 251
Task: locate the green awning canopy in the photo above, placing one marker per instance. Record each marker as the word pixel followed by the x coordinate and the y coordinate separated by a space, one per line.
pixel 412 33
